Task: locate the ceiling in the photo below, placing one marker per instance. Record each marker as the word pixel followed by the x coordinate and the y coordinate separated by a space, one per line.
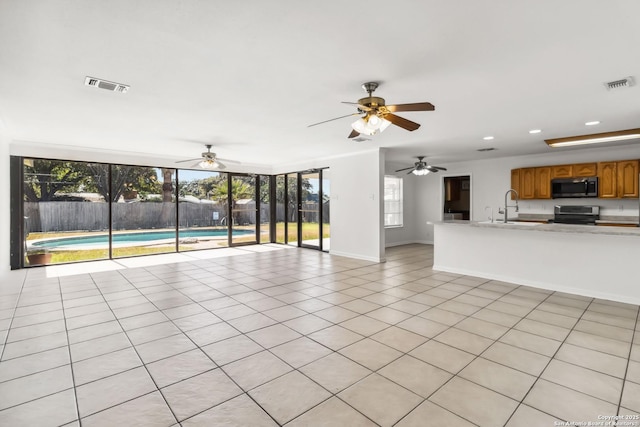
pixel 250 76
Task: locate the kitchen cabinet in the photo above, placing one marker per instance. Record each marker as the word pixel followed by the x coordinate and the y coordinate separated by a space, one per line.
pixel 527 183
pixel 607 180
pixel 562 171
pixel 452 190
pixel 515 182
pixel 628 179
pixel 583 170
pixel 542 184
pixel 618 180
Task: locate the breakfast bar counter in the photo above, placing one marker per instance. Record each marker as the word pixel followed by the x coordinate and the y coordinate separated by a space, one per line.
pixel 595 261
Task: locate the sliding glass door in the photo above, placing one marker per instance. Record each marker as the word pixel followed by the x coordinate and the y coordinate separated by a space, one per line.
pixel 243 222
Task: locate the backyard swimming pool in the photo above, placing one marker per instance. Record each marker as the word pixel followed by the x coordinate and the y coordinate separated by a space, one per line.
pixel 128 239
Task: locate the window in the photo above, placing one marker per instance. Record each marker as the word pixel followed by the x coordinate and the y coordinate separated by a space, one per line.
pixel 392 201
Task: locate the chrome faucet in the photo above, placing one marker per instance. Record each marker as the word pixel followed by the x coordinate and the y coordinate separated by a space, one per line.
pixel 506 205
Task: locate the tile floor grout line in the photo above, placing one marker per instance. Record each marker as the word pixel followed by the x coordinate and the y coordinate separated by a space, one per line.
pixel 15 307
pixel 549 362
pixel 73 376
pixel 626 370
pixel 143 364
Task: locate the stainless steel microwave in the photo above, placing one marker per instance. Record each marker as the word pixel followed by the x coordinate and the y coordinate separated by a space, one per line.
pixel 574 187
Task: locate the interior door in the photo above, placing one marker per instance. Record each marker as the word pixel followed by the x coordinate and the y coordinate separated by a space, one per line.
pixel 243 226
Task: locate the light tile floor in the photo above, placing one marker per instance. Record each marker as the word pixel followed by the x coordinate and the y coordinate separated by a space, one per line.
pixel 270 335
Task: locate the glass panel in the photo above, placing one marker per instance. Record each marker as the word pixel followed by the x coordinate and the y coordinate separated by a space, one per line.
pixel 243 209
pixel 202 210
pixel 280 209
pixel 143 210
pixel 265 209
pixel 310 208
pixel 66 211
pixel 326 212
pixel 292 209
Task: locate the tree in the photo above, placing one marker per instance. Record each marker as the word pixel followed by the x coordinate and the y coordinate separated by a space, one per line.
pixel 123 178
pixel 241 188
pixel 44 178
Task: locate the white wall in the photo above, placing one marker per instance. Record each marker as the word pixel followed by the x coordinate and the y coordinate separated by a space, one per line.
pixel 491 178
pixel 4 207
pixel 407 233
pixel 357 187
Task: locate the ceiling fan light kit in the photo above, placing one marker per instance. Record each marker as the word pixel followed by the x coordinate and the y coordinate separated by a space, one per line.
pixel 596 138
pixel 371 124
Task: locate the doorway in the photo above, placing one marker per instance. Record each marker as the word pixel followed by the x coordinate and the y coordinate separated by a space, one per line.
pixel 457 198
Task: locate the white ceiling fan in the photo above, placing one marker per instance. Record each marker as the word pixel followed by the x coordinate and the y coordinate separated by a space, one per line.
pixel 209 160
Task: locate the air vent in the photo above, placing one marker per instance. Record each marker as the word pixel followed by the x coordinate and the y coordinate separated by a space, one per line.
pixel 106 84
pixel 486 149
pixel 620 84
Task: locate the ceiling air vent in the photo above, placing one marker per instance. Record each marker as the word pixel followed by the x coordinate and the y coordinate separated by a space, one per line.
pixel 619 84
pixel 106 84
pixel 486 149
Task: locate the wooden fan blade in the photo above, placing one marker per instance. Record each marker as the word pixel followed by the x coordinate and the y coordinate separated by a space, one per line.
pixel 337 118
pixel 360 106
pixel 190 160
pixel 417 106
pixel 353 134
pixel 436 168
pixel 406 169
pixel 411 171
pixel 402 122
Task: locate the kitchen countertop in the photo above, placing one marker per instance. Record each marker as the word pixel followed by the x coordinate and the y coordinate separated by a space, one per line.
pixel 553 228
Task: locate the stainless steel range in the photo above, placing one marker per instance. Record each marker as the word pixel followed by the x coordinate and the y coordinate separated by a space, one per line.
pixel 585 215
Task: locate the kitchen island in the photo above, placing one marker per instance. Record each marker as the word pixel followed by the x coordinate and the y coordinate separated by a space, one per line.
pixel 595 261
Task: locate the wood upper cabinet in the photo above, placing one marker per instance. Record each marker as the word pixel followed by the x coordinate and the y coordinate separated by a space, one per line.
pixel 562 171
pixel 628 178
pixel 527 183
pixel 585 169
pixel 452 190
pixel 542 184
pixel 607 180
pixel 515 182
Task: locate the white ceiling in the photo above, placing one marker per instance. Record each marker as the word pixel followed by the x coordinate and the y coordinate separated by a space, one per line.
pixel 249 76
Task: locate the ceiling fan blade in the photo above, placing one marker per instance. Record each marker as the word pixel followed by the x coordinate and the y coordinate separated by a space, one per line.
pixel 228 161
pixel 406 169
pixel 402 122
pixel 417 106
pixel 190 160
pixel 337 118
pixel 353 134
pixel 360 106
pixel 411 171
pixel 436 168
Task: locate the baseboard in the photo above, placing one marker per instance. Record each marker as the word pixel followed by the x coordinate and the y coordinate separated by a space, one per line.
pixel 540 285
pixel 410 242
pixel 357 256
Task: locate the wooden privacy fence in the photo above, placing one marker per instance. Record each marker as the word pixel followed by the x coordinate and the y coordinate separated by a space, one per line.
pixel 94 216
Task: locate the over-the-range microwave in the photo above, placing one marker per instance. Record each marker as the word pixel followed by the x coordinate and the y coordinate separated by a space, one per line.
pixel 562 188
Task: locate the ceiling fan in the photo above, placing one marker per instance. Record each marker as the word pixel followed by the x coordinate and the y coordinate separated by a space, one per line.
pixel 422 168
pixel 209 160
pixel 375 116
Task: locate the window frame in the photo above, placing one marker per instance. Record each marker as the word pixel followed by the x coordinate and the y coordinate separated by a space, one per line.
pixel 398 199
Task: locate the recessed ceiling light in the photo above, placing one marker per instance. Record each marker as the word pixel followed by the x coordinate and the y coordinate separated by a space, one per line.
pixel 593 123
pixel 488 138
pixel 535 131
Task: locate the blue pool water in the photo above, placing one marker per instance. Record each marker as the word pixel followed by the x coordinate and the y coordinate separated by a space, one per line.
pixel 132 237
